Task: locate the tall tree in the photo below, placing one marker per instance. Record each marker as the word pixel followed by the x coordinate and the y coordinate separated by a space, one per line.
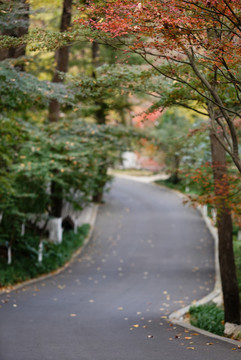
pixel 62 58
pixel 100 115
pixel 225 231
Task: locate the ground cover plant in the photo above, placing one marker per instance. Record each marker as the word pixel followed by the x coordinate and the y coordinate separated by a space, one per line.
pixel 208 317
pixel 25 263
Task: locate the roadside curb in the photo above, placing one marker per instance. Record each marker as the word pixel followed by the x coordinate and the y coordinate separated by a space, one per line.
pixel 91 222
pixel 143 179
pixel 190 327
pixel 216 294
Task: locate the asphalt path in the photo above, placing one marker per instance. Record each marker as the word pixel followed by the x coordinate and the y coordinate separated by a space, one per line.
pixel 149 255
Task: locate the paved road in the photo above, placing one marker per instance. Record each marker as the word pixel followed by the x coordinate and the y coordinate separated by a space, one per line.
pixel 148 256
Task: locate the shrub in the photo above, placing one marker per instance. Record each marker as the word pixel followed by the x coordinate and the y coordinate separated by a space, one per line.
pixel 208 317
pixel 25 263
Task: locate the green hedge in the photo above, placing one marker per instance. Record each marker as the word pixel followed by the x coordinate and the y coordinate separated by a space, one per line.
pixel 25 263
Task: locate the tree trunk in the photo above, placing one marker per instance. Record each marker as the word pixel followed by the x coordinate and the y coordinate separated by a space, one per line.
pixel 174 178
pixel 224 224
pixel 101 120
pixel 62 57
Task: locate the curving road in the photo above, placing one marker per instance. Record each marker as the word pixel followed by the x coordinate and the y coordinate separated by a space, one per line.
pixel 148 256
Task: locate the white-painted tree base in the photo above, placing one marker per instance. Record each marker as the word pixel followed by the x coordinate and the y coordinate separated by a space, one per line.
pixel 55 230
pixel 9 255
pixel 239 235
pixel 23 229
pixel 40 251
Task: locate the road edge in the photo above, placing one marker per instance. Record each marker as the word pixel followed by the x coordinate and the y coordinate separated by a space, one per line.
pixel 177 317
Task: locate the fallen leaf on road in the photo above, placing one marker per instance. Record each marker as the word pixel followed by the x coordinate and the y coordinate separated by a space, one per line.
pixel 61 287
pixel 136 325
pixel 188 337
pixel 190 348
pixel 72 315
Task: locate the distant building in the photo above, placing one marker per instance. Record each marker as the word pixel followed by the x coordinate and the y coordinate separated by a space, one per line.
pixel 133 160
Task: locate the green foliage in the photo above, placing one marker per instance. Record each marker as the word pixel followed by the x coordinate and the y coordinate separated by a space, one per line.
pixel 208 317
pixel 25 264
pixel 168 183
pixel 182 136
pixel 20 90
pixel 12 16
pixel 69 152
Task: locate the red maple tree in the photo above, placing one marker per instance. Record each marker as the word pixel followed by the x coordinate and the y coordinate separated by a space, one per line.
pixel 203 35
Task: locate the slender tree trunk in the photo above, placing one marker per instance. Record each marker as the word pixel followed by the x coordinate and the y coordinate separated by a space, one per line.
pixel 224 224
pixel 62 57
pixel 174 178
pixel 101 120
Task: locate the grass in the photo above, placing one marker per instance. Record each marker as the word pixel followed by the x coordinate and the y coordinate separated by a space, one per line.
pixel 208 317
pixel 181 186
pixel 25 265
